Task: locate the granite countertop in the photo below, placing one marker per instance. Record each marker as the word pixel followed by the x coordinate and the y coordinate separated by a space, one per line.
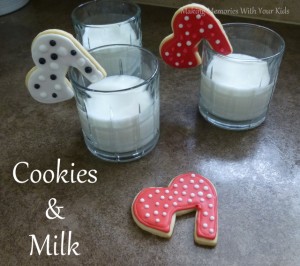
pixel 256 172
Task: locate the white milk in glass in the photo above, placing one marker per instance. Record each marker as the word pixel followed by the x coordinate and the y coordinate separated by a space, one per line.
pixel 96 36
pixel 120 121
pixel 236 90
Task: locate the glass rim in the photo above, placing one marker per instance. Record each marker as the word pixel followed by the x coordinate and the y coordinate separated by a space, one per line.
pixel 146 81
pixel 93 2
pixel 251 25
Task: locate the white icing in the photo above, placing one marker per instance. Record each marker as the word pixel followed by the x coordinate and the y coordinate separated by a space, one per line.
pixel 174 203
pixel 178 54
pixel 167 191
pixel 175 192
pixel 170 197
pixel 62 51
pixel 201 181
pixel 200 193
pixel 147 215
pixel 175 185
pixel 54 66
pixel 202 200
pixel 41 78
pixel 211 230
pixel 211 218
pixel 43 48
pixel 201 30
pixel 150 196
pixel 217 41
pixel 156 203
pixel 146 206
pixel 179 199
pixel 157 220
pixel 179 44
pixel 193 175
pixel 192 195
pixel 81 62
pixel 176 63
pixel 188 43
pixel 180 26
pixel 210 26
pixel 93 78
pixel 210 205
pixel 196 186
pixel 162 197
pixel 142 200
pixel 51 53
pixel 167 53
pixel 57 87
pixel 166 206
pixel 155 212
pixel 205 225
pixel 43 94
pixel 205 213
pixel 181 180
pixel 187 33
pixel 185 186
pixel 192 181
pixel 209 196
pixel 190 200
pixel 183 193
pixel 190 63
pixel 157 191
pixel 164 214
pixel 186 18
pixel 198 16
pixel 205 187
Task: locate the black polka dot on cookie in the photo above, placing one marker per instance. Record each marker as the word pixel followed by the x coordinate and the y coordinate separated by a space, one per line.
pixel 53 77
pixel 88 70
pixel 42 60
pixel 52 43
pixel 53 56
pixel 37 86
pixel 73 52
pixel 54 95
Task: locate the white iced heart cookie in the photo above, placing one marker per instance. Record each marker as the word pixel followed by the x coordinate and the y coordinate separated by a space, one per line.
pixel 53 52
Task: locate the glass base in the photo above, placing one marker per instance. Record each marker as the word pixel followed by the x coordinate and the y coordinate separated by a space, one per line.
pixel 231 125
pixel 124 156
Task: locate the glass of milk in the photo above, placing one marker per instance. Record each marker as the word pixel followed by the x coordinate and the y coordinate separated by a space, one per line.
pixel 236 90
pixel 120 114
pixel 104 22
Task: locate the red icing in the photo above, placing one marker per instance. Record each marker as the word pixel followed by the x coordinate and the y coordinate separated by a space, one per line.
pixel 190 25
pixel 187 191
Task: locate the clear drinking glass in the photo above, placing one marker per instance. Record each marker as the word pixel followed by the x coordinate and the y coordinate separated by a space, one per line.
pixel 120 114
pixel 104 22
pixel 236 89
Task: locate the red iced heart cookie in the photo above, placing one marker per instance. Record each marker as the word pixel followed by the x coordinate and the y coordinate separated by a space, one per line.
pixel 191 24
pixel 155 209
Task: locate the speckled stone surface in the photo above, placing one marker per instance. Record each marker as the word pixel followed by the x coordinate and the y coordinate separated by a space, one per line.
pixel 256 172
